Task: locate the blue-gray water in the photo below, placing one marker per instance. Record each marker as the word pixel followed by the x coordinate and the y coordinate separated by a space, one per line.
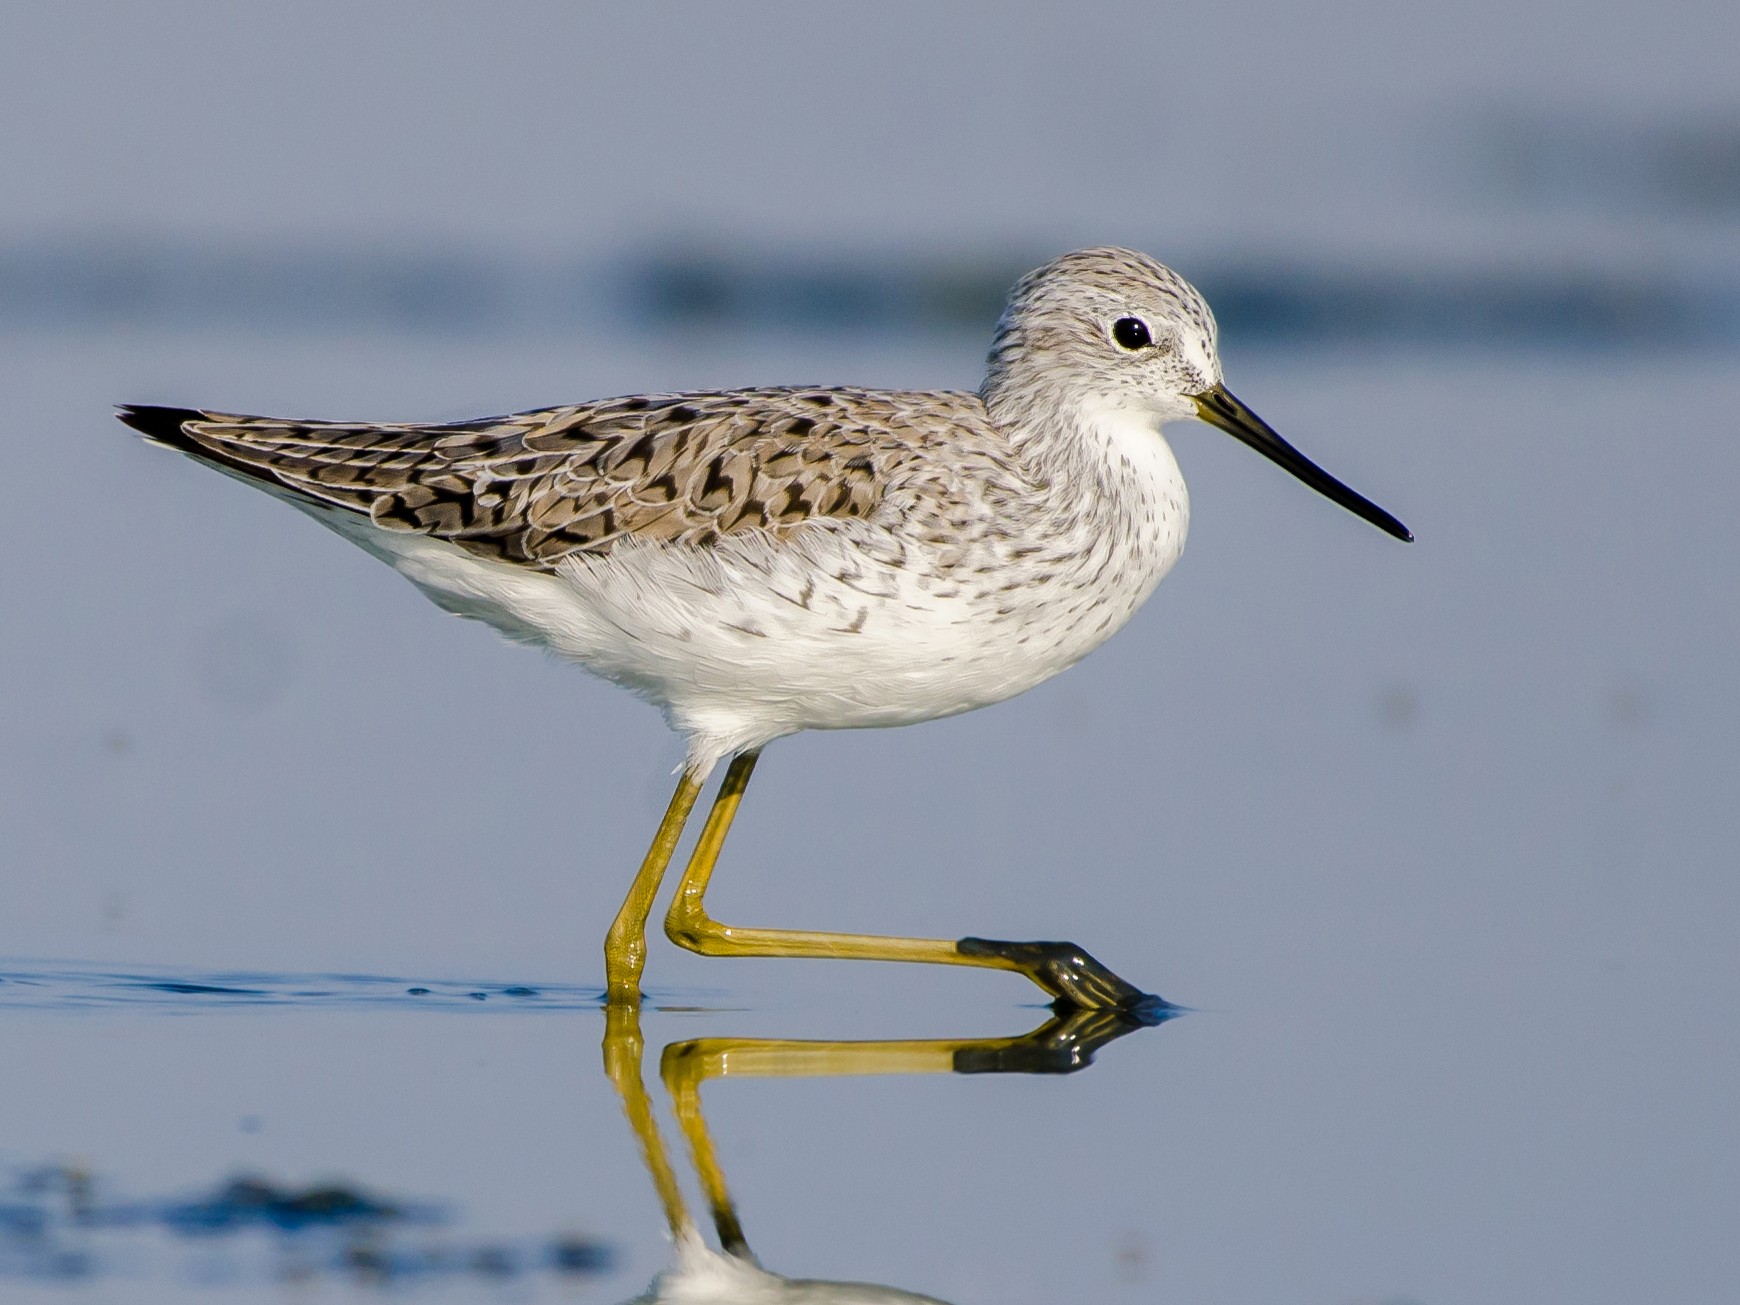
pixel 1436 840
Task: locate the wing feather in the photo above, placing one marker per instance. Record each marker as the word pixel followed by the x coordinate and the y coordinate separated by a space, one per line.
pixel 536 487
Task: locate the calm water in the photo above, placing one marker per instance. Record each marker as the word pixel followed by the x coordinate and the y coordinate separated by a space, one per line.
pixel 1436 841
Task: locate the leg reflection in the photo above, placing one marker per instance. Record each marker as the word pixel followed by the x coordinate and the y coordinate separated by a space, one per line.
pixel 622 1056
pixel 1063 1044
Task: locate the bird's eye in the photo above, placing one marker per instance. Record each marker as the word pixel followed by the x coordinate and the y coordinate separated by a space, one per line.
pixel 1131 333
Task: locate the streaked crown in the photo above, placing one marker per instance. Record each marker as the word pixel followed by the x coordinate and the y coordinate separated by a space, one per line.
pixel 1102 328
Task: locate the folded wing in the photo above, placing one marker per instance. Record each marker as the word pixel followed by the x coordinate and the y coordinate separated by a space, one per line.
pixel 535 487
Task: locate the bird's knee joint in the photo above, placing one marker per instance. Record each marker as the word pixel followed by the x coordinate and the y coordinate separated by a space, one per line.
pixel 692 932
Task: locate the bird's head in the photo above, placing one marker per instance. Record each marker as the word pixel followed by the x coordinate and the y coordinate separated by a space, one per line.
pixel 1111 330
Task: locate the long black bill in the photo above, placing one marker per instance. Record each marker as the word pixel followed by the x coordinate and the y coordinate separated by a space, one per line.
pixel 1220 407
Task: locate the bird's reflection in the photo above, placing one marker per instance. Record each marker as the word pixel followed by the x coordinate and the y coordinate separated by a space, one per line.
pixel 701 1276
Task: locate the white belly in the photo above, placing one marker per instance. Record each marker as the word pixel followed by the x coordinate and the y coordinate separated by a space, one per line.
pixel 753 639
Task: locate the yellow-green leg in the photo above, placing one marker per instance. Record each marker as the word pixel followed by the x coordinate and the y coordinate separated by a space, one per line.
pixel 625 944
pixel 1064 970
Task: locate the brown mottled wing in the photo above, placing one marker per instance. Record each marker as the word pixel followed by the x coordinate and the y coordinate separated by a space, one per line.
pixel 536 487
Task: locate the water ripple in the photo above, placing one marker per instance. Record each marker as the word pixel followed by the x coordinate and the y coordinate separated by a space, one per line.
pixel 70 986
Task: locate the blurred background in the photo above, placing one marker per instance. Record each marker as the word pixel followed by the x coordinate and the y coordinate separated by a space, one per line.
pixel 1440 838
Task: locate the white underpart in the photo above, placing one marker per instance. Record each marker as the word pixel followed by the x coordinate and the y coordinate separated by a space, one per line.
pixel 757 637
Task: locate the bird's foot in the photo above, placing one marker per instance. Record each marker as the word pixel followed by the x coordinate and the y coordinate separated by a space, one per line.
pixel 1076 980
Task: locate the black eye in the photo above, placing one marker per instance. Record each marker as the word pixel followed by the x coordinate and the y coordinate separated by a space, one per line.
pixel 1131 333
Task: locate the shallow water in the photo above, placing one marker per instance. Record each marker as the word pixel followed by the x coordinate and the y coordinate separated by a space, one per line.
pixel 70 987
pixel 257 1130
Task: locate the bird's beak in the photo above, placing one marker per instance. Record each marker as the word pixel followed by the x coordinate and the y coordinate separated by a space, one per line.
pixel 1219 407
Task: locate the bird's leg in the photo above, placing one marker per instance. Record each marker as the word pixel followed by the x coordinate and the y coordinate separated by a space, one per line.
pixel 1064 970
pixel 625 944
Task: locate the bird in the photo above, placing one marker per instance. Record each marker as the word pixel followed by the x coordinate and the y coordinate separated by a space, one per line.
pixel 757 562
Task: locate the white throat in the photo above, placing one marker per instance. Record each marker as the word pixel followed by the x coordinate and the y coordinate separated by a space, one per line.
pixel 1136 452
